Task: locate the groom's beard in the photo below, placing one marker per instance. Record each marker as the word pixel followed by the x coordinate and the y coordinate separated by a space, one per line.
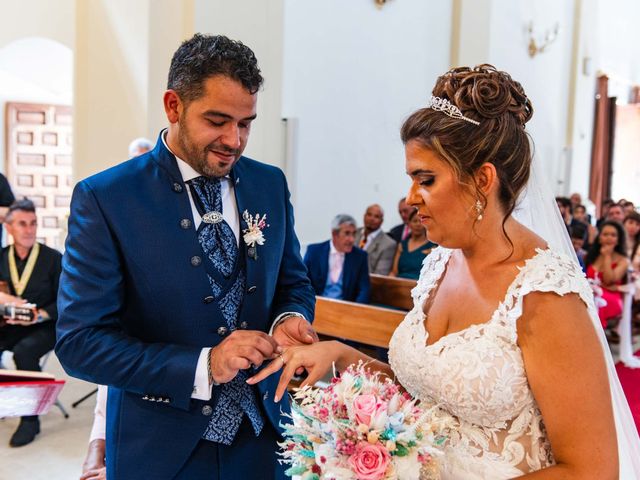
pixel 198 158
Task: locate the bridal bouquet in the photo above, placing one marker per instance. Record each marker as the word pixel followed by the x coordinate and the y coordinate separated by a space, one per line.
pixel 360 427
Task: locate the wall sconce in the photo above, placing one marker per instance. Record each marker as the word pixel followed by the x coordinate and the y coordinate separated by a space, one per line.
pixel 380 3
pixel 539 47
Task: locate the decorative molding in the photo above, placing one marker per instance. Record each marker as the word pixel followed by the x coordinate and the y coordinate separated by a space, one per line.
pixel 550 36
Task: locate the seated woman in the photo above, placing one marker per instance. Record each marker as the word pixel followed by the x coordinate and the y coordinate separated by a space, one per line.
pixel 607 263
pixel 412 250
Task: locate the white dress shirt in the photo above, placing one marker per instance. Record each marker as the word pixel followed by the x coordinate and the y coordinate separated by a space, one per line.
pixel 370 238
pixel 336 262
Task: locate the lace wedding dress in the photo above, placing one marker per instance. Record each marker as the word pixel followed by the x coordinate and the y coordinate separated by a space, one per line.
pixel 478 376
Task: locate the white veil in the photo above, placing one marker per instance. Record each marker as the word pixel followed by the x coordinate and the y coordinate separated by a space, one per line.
pixel 537 210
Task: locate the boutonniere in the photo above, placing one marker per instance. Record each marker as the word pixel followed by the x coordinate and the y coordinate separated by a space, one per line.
pixel 253 234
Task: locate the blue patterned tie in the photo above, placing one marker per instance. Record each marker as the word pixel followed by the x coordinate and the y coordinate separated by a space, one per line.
pixel 220 246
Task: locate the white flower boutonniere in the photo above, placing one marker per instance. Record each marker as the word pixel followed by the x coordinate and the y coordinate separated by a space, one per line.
pixel 253 234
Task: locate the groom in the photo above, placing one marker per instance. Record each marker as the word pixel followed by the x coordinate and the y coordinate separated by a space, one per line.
pixel 168 292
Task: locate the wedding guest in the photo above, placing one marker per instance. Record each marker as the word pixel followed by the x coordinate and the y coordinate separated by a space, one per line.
pixel 338 269
pixel 402 231
pixel 576 199
pixel 578 234
pixel 379 246
pixel 566 210
pixel 412 251
pixel 615 213
pixel 6 197
pixel 606 204
pixel 632 229
pixel 628 207
pixel 93 467
pixel 580 214
pixel 32 272
pixel 139 146
pixel 607 263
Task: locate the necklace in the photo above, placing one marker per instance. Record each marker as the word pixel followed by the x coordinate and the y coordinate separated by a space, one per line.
pixel 20 282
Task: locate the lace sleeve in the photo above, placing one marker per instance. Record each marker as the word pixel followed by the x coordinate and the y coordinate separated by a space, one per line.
pixel 548 271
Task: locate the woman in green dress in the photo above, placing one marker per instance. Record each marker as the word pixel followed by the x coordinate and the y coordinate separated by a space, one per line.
pixel 412 250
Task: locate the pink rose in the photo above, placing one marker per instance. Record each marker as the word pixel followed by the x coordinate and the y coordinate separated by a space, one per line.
pixel 364 406
pixel 369 462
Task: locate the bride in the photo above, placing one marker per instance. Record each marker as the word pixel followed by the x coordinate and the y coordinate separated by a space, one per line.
pixel 503 334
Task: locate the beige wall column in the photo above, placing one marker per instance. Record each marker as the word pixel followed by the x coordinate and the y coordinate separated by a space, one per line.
pixel 470 32
pixel 260 26
pixel 123 50
pixel 170 23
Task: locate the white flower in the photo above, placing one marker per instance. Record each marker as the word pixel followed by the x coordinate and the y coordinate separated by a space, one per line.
pixel 407 467
pixel 253 234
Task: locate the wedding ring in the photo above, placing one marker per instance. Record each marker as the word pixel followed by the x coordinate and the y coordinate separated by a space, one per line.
pixel 282 358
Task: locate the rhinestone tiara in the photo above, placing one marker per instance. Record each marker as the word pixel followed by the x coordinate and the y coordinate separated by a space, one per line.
pixel 445 106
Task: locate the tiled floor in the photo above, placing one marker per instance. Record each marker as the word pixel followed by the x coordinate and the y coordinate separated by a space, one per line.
pixel 59 449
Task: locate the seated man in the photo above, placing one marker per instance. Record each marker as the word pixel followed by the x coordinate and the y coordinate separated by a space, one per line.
pixel 380 247
pixel 31 271
pixel 402 231
pixel 336 268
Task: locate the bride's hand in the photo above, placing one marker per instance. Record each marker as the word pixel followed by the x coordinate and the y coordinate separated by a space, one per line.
pixel 316 359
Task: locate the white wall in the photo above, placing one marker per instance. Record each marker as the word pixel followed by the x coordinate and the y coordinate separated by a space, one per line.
pixel 545 77
pixel 259 25
pixel 352 73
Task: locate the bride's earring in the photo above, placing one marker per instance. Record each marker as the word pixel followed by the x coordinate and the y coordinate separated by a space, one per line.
pixel 479 209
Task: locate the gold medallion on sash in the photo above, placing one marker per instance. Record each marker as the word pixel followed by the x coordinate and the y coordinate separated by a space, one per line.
pixel 20 282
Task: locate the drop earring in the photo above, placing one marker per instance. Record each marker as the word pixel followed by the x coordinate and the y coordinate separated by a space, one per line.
pixel 479 209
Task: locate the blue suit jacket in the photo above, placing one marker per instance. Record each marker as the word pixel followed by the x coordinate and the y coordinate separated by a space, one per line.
pixel 356 286
pixel 131 309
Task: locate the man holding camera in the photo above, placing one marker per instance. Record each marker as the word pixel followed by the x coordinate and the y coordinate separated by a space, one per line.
pixel 31 271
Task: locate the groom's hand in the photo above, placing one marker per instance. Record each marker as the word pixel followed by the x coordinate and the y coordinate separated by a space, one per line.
pixel 239 351
pixel 294 330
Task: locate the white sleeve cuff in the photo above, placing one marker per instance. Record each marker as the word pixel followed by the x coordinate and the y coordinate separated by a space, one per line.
pixel 201 387
pixel 280 318
pixel 99 428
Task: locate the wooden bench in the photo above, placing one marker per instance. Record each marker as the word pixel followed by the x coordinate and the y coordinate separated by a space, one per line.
pixel 361 323
pixel 392 291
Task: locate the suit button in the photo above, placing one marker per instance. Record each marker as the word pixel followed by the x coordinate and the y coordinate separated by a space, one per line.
pixel 208 299
pixel 244 325
pixel 152 399
pixel 252 289
pixel 222 331
pixel 207 411
pixel 196 260
pixel 185 223
pixel 146 397
pixel 166 400
pixel 177 187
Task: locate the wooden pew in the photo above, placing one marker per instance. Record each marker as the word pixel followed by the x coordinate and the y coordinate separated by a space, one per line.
pixel 392 291
pixel 366 324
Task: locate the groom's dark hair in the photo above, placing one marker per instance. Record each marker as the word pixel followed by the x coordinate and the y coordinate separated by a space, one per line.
pixel 204 56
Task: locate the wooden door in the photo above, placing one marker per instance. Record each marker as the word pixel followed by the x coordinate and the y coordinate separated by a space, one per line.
pixel 38 163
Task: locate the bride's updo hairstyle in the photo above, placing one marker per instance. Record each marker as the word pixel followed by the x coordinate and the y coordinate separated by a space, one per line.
pixel 501 108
